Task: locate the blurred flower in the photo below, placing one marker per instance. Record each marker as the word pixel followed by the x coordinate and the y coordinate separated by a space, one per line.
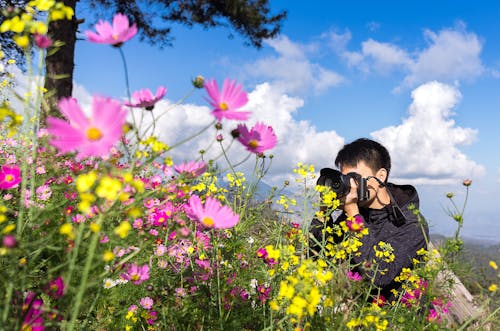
pixel 115 34
pixel 9 241
pixel 32 312
pixel 191 169
pixel 259 139
pixel 42 41
pixel 467 182
pixel 225 103
pixel 10 176
pixel 55 288
pixel 493 265
pixel 90 137
pixel 212 214
pixel 144 98
pixel 354 276
pixel 146 302
pixel 136 274
pixel 355 223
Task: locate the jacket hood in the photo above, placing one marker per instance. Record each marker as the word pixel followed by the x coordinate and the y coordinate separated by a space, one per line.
pixel 404 195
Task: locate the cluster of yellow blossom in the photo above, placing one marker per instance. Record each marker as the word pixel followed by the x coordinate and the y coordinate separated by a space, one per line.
pixel 155 146
pixel 384 251
pixel 348 246
pixel 304 171
pixel 371 318
pixel 23 23
pixel 207 183
pixel 300 293
pixel 286 202
pixel 236 179
pixel 328 197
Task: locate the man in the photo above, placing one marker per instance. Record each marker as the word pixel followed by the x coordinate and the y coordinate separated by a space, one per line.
pixel 385 212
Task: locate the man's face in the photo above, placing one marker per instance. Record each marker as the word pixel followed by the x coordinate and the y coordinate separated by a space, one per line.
pixel 362 169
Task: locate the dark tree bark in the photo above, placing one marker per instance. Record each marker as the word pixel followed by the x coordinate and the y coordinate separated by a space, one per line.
pixel 59 65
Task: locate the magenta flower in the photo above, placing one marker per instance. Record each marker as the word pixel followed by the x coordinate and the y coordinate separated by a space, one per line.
pixel 259 139
pixel 144 98
pixel 42 41
pixel 225 103
pixel 356 223
pixel 212 214
pixel 115 34
pixel 354 276
pixel 89 136
pixel 136 274
pixel 191 169
pixel 55 288
pixel 33 313
pixel 146 302
pixel 10 176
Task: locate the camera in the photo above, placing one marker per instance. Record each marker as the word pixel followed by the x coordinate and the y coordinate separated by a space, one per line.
pixel 340 183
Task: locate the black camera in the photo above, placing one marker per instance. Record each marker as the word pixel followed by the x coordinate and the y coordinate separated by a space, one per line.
pixel 340 183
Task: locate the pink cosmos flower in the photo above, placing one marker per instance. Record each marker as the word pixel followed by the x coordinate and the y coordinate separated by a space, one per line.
pixel 259 139
pixel 136 274
pixel 146 302
pixel 144 98
pixel 115 34
pixel 225 103
pixel 93 136
pixel 191 169
pixel 212 214
pixel 10 176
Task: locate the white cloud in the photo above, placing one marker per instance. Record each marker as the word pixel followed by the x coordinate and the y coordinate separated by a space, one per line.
pixel 450 54
pixel 424 147
pixel 292 71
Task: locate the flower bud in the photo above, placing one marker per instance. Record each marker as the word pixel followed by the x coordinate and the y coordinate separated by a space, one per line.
pixel 198 81
pixel 218 126
pixel 235 133
pixel 467 182
pixel 449 195
pixel 219 138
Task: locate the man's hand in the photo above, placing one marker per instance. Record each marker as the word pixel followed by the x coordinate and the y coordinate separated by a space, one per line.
pixel 351 200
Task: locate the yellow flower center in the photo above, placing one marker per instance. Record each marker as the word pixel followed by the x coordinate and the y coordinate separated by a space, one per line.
pixel 135 277
pixel 9 178
pixel 208 221
pixel 94 134
pixel 253 143
pixel 114 36
pixel 223 106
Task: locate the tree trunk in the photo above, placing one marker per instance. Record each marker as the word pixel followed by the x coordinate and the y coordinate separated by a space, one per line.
pixel 59 66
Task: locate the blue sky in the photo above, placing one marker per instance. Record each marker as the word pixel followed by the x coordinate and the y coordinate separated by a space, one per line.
pixel 420 77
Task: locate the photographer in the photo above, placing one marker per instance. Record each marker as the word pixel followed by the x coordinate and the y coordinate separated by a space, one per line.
pixel 367 198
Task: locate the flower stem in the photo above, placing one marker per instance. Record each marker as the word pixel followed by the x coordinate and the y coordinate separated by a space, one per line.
pixel 85 275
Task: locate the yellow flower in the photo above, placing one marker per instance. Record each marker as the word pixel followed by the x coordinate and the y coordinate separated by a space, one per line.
pixel 94 227
pixel 67 230
pixel 108 256
pixel 85 181
pixel 123 229
pixel 21 41
pixel 9 228
pixel 61 12
pixel 109 188
pixel 493 287
pixel 493 265
pixel 43 5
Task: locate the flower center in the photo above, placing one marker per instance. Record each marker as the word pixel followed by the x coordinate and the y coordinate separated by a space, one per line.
pixel 253 143
pixel 114 36
pixel 223 106
pixel 9 178
pixel 208 221
pixel 135 277
pixel 94 134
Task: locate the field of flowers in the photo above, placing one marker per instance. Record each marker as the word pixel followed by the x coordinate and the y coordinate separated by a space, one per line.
pixel 101 229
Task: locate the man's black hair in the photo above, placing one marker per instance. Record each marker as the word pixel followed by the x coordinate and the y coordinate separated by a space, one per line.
pixel 373 154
